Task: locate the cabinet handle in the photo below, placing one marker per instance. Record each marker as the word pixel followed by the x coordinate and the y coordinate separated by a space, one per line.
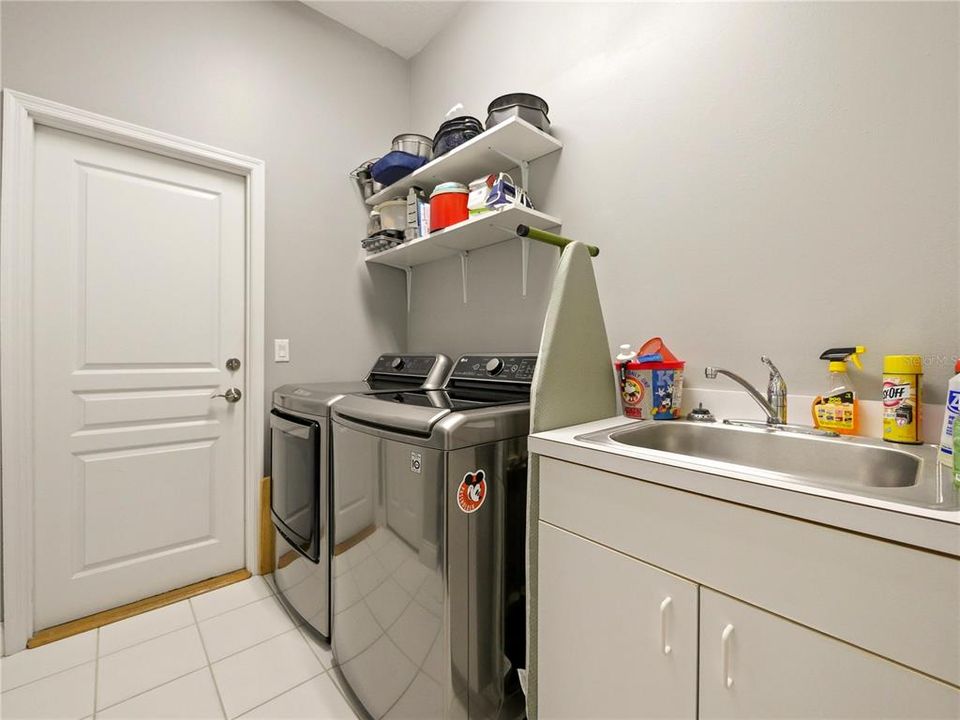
pixel 664 607
pixel 725 655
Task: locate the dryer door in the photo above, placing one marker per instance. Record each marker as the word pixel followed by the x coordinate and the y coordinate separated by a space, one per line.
pixel 295 486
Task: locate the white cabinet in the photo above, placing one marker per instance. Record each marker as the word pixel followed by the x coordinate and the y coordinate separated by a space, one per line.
pixel 756 665
pixel 804 620
pixel 617 637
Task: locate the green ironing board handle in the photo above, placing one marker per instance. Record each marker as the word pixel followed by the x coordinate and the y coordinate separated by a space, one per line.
pixel 550 239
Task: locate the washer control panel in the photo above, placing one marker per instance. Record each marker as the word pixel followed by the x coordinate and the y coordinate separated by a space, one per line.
pixel 511 367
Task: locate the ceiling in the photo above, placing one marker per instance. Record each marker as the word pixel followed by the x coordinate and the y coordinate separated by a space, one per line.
pixel 404 27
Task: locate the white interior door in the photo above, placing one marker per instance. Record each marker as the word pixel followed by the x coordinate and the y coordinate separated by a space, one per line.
pixel 138 303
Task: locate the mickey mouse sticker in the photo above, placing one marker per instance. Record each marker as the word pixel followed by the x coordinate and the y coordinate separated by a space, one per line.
pixel 472 491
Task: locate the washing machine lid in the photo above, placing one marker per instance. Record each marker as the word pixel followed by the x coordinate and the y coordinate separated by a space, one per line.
pixel 391 371
pixel 479 382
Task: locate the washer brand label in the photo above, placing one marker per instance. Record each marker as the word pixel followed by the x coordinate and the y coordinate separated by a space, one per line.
pixel 472 491
pixel 894 394
pixel 416 462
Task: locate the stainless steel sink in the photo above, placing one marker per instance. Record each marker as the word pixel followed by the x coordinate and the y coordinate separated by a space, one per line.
pixel 862 466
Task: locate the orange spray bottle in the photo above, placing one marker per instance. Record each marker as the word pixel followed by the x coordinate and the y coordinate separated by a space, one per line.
pixel 837 409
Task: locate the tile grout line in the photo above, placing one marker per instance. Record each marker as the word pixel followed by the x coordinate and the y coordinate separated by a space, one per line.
pixel 203 644
pixel 114 652
pixel 149 639
pixel 96 658
pixel 155 687
pixel 281 694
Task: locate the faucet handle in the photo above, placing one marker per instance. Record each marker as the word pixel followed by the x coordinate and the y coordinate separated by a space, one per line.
pixel 773 368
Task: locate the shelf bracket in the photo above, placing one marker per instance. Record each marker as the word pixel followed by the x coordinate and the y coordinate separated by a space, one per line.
pixel 524 166
pixel 524 263
pixel 464 255
pixel 408 271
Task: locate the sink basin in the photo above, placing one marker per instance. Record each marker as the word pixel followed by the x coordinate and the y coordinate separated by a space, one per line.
pixel 860 466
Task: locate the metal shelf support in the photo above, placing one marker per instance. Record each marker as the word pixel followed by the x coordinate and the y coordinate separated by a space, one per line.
pixel 524 166
pixel 464 256
pixel 408 271
pixel 524 263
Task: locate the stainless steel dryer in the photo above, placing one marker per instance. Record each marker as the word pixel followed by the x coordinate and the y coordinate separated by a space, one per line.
pixel 300 470
pixel 429 580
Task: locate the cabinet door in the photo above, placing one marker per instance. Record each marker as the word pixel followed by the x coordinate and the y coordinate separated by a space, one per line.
pixel 757 665
pixel 617 637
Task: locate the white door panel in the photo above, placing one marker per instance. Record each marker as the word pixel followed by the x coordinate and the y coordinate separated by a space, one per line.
pixel 138 303
pixel 617 637
pixel 757 665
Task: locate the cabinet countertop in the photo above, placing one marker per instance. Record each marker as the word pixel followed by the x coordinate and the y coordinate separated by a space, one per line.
pixel 924 528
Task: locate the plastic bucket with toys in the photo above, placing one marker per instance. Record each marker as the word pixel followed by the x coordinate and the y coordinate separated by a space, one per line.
pixel 651 385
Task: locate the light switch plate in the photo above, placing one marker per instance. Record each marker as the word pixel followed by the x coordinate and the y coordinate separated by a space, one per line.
pixel 281 350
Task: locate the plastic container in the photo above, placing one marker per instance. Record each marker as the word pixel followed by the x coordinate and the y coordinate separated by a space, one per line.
pixel 902 398
pixel 393 215
pixel 950 414
pixel 651 383
pixel 395 166
pixel 956 459
pixel 448 205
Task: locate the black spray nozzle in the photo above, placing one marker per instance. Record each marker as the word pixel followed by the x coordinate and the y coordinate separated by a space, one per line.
pixel 843 354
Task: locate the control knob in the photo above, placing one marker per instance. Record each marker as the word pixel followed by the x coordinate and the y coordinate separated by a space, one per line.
pixel 397 363
pixel 494 366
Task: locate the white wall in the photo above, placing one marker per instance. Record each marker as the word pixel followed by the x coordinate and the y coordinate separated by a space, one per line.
pixel 275 80
pixel 761 178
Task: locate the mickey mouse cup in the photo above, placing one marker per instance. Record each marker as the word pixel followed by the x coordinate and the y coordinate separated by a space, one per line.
pixel 651 386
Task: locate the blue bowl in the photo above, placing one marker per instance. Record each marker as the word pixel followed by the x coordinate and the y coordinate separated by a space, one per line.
pixel 395 166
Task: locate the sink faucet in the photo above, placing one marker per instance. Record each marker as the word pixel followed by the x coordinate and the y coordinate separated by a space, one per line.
pixel 774 405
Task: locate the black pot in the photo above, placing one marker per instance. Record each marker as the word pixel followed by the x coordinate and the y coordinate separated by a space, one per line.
pixel 529 107
pixel 455 132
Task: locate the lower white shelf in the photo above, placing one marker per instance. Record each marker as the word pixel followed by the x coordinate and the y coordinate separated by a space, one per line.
pixel 479 231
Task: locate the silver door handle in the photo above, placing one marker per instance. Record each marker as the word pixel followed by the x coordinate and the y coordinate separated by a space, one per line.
pixel 231 395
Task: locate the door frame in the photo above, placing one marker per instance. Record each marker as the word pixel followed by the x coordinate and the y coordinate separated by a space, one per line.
pixel 22 114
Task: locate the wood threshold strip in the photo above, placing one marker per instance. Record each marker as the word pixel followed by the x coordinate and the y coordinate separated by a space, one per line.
pixel 105 617
pixel 355 540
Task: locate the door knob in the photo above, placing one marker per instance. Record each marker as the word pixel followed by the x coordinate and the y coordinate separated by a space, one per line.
pixel 231 395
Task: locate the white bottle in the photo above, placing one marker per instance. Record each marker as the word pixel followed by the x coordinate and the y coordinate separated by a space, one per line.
pixel 626 354
pixel 950 424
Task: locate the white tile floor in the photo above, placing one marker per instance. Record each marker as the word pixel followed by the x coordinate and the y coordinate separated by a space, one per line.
pixel 233 652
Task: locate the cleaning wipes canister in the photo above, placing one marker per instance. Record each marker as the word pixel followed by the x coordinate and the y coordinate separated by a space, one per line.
pixel 902 398
pixel 950 413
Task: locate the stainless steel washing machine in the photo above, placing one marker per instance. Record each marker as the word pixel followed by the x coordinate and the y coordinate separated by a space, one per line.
pixel 300 470
pixel 429 526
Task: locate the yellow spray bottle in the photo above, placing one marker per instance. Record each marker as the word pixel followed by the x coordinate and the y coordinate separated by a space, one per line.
pixel 837 409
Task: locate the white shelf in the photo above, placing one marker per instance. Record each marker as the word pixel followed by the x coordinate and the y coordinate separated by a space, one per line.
pixel 479 231
pixel 500 148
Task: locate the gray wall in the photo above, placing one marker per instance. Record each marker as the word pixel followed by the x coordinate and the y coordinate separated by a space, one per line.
pixel 274 80
pixel 761 178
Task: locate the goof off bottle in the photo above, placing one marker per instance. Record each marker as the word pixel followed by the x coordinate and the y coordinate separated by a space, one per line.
pixel 902 398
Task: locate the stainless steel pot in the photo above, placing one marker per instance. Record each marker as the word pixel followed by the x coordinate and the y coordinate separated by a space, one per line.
pixel 414 144
pixel 368 186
